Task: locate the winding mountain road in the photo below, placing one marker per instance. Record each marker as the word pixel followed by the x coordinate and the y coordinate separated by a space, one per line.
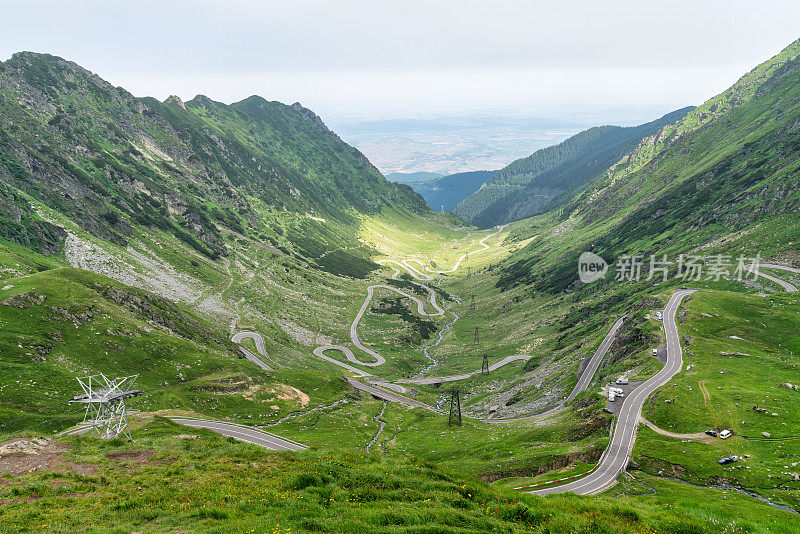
pixel 615 457
pixel 260 347
pixel 784 284
pixel 388 395
pixel 424 276
pixel 416 274
pixel 452 378
pixel 392 392
pixel 380 391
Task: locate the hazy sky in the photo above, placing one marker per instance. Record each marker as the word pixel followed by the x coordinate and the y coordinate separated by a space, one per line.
pixel 376 59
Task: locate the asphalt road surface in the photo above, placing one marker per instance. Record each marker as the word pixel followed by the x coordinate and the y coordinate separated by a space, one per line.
pixel 615 458
pixel 260 347
pixel 242 433
pixel 392 396
pixel 417 274
pixel 594 362
pixel 785 285
pixel 389 395
pixel 440 379
pixel 356 339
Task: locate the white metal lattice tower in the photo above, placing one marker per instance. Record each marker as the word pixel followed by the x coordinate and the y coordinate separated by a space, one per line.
pixel 106 410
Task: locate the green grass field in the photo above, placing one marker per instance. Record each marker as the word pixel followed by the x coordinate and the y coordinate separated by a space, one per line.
pixel 740 349
pixel 161 483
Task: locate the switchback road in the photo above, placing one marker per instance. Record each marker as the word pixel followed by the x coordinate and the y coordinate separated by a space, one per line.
pixel 418 275
pixel 784 284
pixel 615 458
pixel 260 347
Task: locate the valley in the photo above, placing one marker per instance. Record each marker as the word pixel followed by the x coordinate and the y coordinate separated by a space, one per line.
pixel 318 350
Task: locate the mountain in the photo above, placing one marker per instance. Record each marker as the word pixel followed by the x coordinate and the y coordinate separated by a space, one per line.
pixel 139 243
pixel 726 177
pixel 112 163
pixel 137 236
pixel 526 186
pixel 445 193
pixel 411 178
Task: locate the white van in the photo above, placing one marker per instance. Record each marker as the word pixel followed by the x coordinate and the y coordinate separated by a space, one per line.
pixel 725 434
pixel 622 381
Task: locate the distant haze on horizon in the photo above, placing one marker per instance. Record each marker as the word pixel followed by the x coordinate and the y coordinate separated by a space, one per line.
pixel 575 64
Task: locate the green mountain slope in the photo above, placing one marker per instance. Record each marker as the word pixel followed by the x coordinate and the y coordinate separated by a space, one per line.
pixel 112 162
pixel 527 186
pixel 724 177
pixel 723 184
pixel 447 192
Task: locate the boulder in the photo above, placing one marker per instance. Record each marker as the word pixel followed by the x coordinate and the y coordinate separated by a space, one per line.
pixel 24 300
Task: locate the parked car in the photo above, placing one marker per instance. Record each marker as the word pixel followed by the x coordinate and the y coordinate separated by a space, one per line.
pixel 622 381
pixel 655 352
pixel 712 433
pixel 725 434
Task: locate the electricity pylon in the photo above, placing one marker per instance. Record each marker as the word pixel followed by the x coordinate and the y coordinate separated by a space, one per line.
pixel 485 364
pixel 472 304
pixel 455 408
pixel 477 337
pixel 106 410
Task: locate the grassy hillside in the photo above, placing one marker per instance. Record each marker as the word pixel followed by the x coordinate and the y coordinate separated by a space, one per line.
pixel 58 323
pixel 742 352
pixel 115 164
pixel 206 483
pixel 721 182
pixel 529 185
pixel 91 285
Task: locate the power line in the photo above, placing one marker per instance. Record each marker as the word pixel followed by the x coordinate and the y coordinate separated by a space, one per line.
pixel 455 408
